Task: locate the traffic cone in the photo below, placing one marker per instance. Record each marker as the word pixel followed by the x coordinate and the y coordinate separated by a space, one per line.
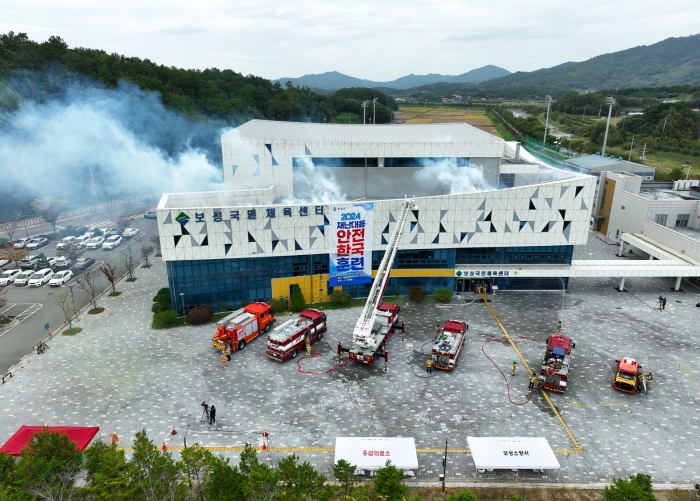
pixel 165 447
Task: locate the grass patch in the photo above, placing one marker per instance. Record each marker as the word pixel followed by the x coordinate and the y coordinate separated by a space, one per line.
pixel 132 279
pixel 114 294
pixel 181 321
pixel 159 255
pixel 347 117
pixel 146 266
pixel 72 331
pixel 5 320
pixel 95 311
pixel 505 133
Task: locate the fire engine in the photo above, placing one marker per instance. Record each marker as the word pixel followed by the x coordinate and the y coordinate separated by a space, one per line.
pixel 285 341
pixel 378 320
pixel 554 372
pixel 448 347
pixel 242 326
pixel 629 376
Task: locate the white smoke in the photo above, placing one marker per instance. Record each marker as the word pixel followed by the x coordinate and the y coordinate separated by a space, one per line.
pixel 314 186
pixel 453 179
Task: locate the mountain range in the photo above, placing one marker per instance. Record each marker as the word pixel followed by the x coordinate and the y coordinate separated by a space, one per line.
pixel 333 80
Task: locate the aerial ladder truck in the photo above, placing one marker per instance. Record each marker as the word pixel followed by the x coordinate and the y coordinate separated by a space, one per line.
pixel 378 320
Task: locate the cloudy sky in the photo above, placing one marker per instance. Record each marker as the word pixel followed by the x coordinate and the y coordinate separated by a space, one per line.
pixel 377 40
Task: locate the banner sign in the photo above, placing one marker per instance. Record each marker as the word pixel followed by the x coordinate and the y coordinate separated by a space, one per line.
pixel 351 244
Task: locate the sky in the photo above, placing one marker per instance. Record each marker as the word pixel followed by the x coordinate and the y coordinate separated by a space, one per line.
pixel 376 40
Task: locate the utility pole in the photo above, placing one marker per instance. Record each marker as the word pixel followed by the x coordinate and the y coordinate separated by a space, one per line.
pixel 364 112
pixel 548 98
pixel 584 112
pixel 644 153
pixel 600 108
pixel 664 129
pixel 631 145
pixel 688 173
pixel 374 111
pixel 444 468
pixel 610 101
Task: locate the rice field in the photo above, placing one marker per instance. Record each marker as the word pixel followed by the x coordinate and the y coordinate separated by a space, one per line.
pixel 423 115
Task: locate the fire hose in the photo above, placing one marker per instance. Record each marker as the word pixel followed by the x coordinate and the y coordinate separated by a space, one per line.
pixel 410 361
pixel 532 393
pixel 313 373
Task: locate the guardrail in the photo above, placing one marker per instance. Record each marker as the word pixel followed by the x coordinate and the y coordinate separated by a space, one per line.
pixel 77 212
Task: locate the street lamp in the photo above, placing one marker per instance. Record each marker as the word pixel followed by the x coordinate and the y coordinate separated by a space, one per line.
pixel 364 112
pixel 547 98
pixel 374 111
pixel 182 298
pixel 609 101
pixel 688 173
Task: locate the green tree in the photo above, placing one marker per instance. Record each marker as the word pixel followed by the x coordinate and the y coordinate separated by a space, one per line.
pixel 10 487
pixel 344 473
pixel 108 476
pixel 49 465
pixel 48 209
pixel 42 262
pixel 262 481
pixel 388 483
pixel 71 252
pixel 153 473
pixel 299 482
pixel 196 463
pixel 298 303
pixel 225 483
pixel 637 488
pixel 677 173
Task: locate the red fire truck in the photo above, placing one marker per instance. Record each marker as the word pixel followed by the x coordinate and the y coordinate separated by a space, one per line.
pixel 285 341
pixel 385 321
pixel 242 326
pixel 554 372
pixel 629 376
pixel 448 347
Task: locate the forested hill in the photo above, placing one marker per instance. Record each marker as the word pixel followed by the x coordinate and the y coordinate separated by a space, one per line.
pixel 670 62
pixel 224 95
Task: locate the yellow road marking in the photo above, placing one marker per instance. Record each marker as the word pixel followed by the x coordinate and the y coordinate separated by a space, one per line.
pixel 577 448
pixel 680 366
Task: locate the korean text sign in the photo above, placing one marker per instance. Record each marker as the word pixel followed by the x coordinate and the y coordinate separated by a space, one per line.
pixel 351 244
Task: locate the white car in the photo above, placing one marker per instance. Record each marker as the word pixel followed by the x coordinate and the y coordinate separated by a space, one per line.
pixel 112 242
pixel 60 278
pixel 65 242
pixel 22 278
pixel 8 277
pixel 37 243
pixel 130 232
pixel 4 262
pixel 21 243
pixel 95 243
pixel 40 278
pixel 82 240
pixel 52 260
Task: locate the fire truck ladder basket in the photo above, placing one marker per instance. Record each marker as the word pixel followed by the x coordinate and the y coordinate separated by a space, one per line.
pixel 363 328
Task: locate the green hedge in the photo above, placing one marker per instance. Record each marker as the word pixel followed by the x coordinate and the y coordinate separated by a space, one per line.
pixel 166 317
pixel 443 294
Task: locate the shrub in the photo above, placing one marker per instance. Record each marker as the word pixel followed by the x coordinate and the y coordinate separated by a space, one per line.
pixel 417 294
pixel 161 301
pixel 637 488
pixel 388 483
pixel 200 314
pixel 461 496
pixel 278 305
pixel 162 293
pixel 298 301
pixel 340 297
pixel 443 294
pixel 166 317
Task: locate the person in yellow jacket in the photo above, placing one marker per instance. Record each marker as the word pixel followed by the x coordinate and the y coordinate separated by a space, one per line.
pixel 512 368
pixel 228 352
pixel 429 366
pixel 533 380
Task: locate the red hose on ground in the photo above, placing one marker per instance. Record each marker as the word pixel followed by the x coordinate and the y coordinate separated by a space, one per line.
pixel 318 354
pixel 532 393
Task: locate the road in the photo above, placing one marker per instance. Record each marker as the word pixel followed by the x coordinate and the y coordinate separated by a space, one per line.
pixel 98 218
pixel 17 341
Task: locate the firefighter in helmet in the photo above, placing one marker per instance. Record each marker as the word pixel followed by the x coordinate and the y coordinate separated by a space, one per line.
pixel 512 368
pixel 649 377
pixel 437 330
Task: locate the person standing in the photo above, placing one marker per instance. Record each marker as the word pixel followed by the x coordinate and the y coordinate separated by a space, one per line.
pixel 512 368
pixel 533 380
pixel 224 362
pixel 650 377
pixel 212 414
pixel 228 352
pixel 429 366
pixel 663 304
pixel 437 331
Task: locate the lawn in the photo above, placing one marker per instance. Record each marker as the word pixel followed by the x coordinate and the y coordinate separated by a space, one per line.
pixel 347 117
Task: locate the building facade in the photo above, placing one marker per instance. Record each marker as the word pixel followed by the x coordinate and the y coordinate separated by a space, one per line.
pixel 268 233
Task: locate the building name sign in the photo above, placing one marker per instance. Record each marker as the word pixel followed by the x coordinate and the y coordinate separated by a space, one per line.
pixel 252 214
pixel 484 273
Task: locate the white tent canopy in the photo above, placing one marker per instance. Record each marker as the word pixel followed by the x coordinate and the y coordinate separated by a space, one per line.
pixel 372 453
pixel 512 453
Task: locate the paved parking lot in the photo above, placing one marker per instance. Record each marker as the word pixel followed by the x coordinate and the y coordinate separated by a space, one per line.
pixel 16 340
pixel 123 376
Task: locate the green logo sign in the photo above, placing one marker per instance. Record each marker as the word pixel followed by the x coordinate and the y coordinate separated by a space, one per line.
pixel 459 273
pixel 182 218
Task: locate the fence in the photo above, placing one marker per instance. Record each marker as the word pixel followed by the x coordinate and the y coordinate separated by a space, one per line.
pixel 82 210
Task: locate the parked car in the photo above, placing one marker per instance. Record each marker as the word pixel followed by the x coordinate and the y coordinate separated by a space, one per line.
pixel 52 261
pixel 65 242
pixel 84 262
pixel 8 277
pixel 60 278
pixel 21 243
pixel 40 278
pixel 63 263
pixel 130 232
pixel 37 243
pixel 95 243
pixel 108 232
pixel 28 262
pixel 80 230
pixel 82 240
pixel 4 262
pixel 112 242
pixel 22 278
pixel 151 214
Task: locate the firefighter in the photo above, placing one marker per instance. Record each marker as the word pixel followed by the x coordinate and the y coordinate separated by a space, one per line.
pixel 308 344
pixel 559 326
pixel 437 331
pixel 650 376
pixel 533 380
pixel 512 368
pixel 228 352
pixel 429 366
pixel 224 362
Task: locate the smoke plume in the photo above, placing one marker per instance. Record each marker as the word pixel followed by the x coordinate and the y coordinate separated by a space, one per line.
pixel 315 186
pixel 453 179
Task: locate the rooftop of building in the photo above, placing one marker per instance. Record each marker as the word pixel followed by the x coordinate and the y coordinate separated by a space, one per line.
pixel 599 162
pixel 270 130
pixel 663 194
pixel 688 232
